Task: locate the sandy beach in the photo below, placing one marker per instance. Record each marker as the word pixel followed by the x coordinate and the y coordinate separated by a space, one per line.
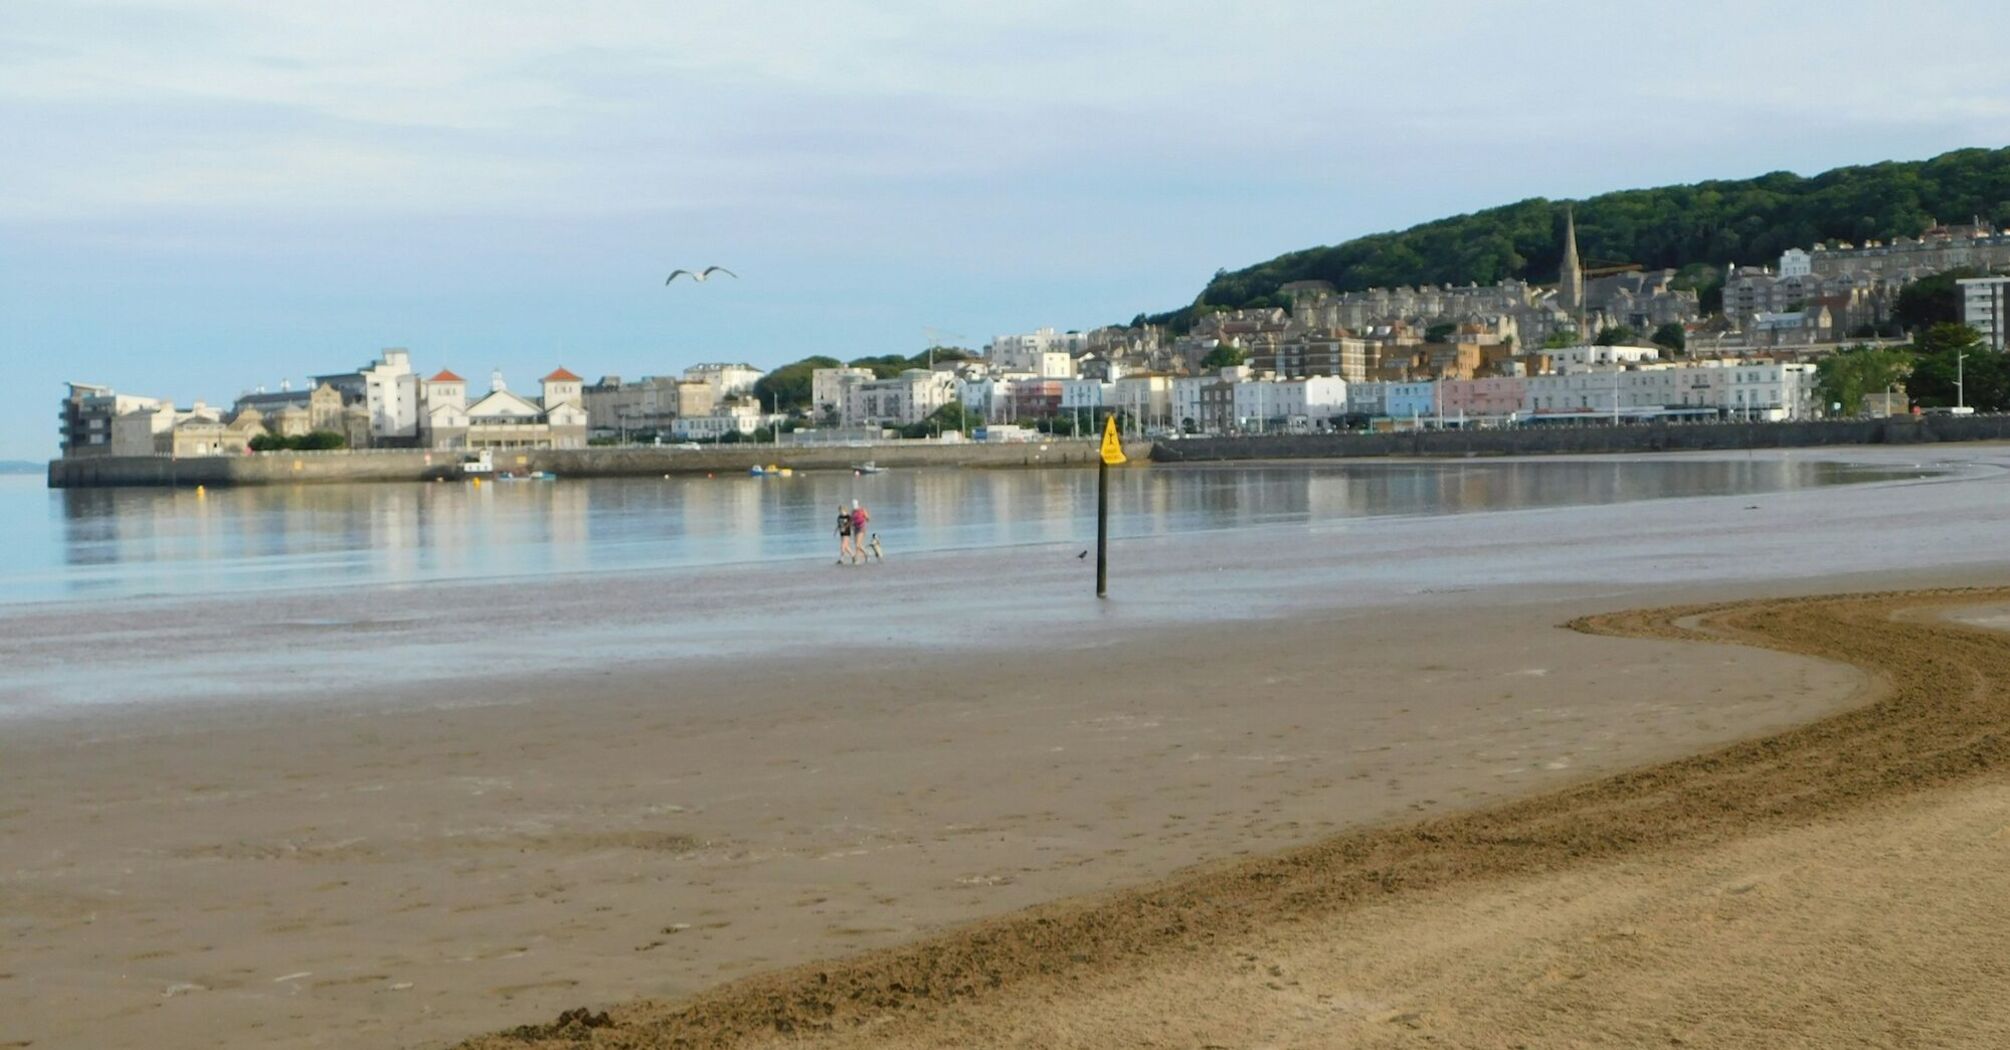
pixel 1348 793
pixel 1832 884
pixel 399 879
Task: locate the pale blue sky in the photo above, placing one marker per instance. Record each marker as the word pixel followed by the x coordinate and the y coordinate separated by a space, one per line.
pixel 204 196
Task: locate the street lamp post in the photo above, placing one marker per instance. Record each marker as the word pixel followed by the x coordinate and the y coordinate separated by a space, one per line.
pixel 1960 387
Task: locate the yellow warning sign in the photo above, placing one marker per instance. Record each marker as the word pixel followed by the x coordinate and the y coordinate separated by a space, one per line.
pixel 1113 449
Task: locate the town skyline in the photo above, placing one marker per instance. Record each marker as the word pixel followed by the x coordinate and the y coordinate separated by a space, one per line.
pixel 201 221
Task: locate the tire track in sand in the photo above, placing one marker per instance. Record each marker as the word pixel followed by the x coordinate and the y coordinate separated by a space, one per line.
pixel 1938 714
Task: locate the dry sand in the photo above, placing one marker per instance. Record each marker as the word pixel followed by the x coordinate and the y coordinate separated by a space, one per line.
pixel 1837 884
pixel 285 877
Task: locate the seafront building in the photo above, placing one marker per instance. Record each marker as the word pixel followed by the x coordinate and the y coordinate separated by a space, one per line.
pixel 502 418
pixel 1983 308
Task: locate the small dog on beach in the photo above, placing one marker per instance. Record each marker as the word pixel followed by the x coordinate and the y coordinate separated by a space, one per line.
pixel 874 547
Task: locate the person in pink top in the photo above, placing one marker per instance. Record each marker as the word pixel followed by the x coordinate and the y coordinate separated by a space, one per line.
pixel 859 518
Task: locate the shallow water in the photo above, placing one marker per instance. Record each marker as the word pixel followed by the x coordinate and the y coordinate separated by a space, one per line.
pixel 111 543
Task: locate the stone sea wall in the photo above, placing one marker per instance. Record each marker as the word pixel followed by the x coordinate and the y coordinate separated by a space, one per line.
pixel 1555 440
pixel 282 468
pixel 285 468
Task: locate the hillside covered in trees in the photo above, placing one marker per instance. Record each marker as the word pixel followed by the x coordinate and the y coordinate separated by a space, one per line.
pixel 1696 227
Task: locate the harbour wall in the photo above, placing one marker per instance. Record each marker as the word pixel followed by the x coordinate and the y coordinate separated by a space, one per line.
pixel 1646 437
pixel 284 468
pixel 291 468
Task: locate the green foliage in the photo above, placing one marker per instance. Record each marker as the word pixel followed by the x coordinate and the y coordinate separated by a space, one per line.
pixel 1616 335
pixel 885 366
pixel 1931 300
pixel 1948 337
pixel 1672 336
pixel 1846 376
pixel 1224 355
pixel 312 441
pixel 788 387
pixel 1693 228
pixel 1559 339
pixel 1440 333
pixel 1982 382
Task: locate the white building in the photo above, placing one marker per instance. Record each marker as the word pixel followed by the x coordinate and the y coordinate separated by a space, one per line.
pixel 1768 391
pixel 1293 404
pixel 1055 364
pixel 504 419
pixel 1022 353
pixel 734 416
pixel 907 398
pixel 726 380
pixel 830 389
pixel 1796 263
pixel 1367 399
pixel 1983 308
pixel 1146 398
pixel 1085 394
pixel 1578 358
pixel 388 389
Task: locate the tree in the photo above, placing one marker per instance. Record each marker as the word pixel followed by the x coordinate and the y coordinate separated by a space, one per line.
pixel 1847 376
pixel 1560 338
pixel 788 388
pixel 1947 337
pixel 1672 336
pixel 1942 377
pixel 1615 335
pixel 1440 333
pixel 1224 355
pixel 1694 229
pixel 1931 300
pixel 884 366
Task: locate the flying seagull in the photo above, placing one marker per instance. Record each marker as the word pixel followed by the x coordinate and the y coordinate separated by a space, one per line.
pixel 701 275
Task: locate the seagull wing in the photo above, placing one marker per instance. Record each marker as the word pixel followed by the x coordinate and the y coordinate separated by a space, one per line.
pixel 687 273
pixel 710 270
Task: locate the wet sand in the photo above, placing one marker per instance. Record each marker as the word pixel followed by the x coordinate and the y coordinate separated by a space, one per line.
pixel 1834 884
pixel 415 875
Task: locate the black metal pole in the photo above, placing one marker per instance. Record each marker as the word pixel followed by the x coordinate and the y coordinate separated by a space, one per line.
pixel 1102 527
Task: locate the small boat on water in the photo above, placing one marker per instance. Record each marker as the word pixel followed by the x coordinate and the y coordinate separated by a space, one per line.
pixel 770 471
pixel 867 467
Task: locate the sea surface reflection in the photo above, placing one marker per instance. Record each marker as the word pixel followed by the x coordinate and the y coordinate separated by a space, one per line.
pixel 107 543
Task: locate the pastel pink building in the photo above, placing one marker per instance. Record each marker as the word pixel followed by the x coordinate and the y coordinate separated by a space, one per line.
pixel 1492 397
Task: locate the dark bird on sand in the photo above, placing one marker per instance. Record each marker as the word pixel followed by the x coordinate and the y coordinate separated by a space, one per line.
pixel 700 275
pixel 1082 555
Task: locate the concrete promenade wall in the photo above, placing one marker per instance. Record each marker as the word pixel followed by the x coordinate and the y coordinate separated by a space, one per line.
pixel 285 468
pixel 1659 437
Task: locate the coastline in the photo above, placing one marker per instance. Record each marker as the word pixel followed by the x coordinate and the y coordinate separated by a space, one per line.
pixel 415 465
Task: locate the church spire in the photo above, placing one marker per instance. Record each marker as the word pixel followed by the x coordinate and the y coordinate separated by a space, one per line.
pixel 1570 276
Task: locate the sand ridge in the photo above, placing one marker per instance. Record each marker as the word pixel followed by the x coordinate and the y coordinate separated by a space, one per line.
pixel 1939 716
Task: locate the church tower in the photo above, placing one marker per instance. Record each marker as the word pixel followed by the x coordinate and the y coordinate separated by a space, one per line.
pixel 1570 277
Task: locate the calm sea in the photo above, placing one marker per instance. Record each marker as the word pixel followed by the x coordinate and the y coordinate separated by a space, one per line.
pixel 116 543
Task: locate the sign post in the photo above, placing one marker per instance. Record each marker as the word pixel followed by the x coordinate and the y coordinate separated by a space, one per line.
pixel 1112 452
